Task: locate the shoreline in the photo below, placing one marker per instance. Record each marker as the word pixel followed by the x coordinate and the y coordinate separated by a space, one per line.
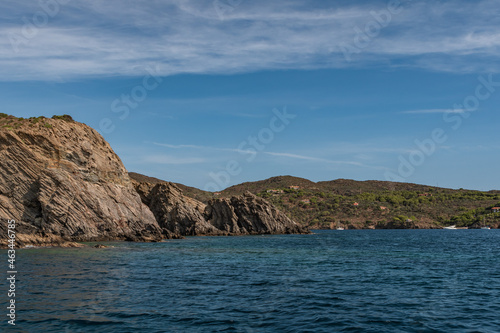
pixel 99 244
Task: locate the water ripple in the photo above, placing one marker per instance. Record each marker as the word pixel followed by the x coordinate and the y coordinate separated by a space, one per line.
pixel 354 281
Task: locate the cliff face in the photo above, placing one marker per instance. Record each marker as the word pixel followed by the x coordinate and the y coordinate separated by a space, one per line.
pixel 180 215
pixel 176 214
pixel 61 181
pixel 249 214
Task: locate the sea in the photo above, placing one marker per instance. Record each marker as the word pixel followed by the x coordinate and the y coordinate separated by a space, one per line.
pixel 330 281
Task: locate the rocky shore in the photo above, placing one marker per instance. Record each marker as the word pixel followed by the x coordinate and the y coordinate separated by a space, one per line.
pixel 62 183
pixel 179 215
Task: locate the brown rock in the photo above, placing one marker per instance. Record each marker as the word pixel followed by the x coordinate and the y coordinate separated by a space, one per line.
pixel 62 182
pixel 177 214
pixel 180 215
pixel 61 179
pixel 249 214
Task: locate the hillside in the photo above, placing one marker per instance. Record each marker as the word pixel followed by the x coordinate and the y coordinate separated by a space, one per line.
pixel 370 204
pixel 271 183
pixel 366 204
pixel 373 204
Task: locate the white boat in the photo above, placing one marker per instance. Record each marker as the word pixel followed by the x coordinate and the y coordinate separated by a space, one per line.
pixel 451 227
pixel 340 228
pixel 485 228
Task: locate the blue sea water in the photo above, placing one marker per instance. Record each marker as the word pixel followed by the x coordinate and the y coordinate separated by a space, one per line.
pixel 331 281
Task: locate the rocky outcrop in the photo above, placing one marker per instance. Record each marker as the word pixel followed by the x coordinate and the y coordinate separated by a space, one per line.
pixel 249 215
pixel 180 215
pixel 176 214
pixel 61 181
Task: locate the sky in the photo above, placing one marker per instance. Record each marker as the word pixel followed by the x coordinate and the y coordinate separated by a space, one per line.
pixel 216 93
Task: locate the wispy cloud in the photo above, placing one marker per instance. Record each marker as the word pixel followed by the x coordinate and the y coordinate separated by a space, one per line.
pixel 478 148
pixel 97 38
pixel 296 156
pixel 427 111
pixel 205 148
pixel 166 145
pixel 323 160
pixel 168 159
pixel 354 148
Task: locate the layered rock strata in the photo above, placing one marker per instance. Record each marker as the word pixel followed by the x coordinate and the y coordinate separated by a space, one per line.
pixel 249 215
pixel 61 181
pixel 180 215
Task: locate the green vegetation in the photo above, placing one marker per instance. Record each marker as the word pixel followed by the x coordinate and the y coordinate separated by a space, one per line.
pixel 326 204
pixel 10 122
pixel 475 218
pixel 35 120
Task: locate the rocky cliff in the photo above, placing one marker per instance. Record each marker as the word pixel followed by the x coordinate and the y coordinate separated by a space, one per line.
pixel 61 181
pixel 180 215
pixel 249 214
pixel 176 214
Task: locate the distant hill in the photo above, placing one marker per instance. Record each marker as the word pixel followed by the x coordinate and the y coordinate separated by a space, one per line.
pixel 351 187
pixel 367 204
pixel 374 204
pixel 274 182
pixel 338 186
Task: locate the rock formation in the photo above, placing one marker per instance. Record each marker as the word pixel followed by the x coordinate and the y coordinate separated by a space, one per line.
pixel 249 214
pixel 180 215
pixel 61 181
pixel 176 214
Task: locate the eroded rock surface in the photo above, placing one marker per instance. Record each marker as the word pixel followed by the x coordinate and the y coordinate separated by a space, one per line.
pixel 61 181
pixel 177 214
pixel 249 214
pixel 180 215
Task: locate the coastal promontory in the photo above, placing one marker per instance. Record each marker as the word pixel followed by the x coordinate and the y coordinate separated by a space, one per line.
pixel 62 183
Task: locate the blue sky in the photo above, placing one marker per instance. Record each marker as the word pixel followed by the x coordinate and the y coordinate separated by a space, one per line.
pixel 215 93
